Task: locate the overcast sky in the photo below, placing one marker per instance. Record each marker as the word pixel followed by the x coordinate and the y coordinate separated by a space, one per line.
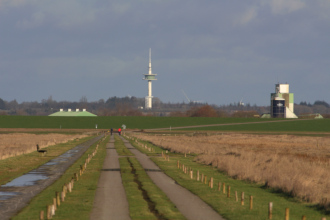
pixel 217 51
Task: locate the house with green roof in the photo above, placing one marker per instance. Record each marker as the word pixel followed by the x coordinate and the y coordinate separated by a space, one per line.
pixel 76 113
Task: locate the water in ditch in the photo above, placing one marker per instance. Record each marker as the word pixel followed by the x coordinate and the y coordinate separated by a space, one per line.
pixel 13 188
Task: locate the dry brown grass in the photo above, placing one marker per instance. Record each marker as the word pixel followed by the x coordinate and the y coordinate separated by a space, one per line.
pixel 298 165
pixel 22 143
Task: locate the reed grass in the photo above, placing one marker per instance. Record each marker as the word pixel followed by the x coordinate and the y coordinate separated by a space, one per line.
pixel 23 143
pixel 229 207
pixel 296 165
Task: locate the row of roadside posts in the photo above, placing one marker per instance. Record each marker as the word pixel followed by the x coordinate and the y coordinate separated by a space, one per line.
pixel 67 188
pixel 221 187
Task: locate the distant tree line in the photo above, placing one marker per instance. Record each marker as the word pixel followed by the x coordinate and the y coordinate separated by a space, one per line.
pixel 315 104
pixel 133 106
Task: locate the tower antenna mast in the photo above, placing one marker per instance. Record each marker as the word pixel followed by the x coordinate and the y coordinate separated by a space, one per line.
pixel 150 77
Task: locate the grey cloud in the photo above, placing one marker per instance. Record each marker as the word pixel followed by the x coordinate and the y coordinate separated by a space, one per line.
pixel 208 47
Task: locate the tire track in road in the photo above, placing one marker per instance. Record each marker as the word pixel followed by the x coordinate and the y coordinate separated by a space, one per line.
pixel 110 197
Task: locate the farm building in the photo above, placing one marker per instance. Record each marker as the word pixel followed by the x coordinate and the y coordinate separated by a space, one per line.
pixel 77 113
pixel 282 102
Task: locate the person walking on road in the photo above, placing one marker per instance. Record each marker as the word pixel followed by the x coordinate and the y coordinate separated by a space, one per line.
pixel 111 131
pixel 119 131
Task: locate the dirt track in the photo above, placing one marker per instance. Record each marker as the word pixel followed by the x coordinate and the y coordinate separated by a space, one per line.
pixel 110 201
pixel 110 198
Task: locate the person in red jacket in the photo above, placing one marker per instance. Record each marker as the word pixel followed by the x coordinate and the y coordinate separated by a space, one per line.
pixel 119 131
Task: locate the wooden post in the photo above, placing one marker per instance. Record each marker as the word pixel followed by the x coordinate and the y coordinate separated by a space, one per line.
pixel 62 196
pixel 42 214
pixel 287 214
pixel 223 188
pixel 242 198
pixel 185 170
pixel 228 192
pixel 183 167
pixel 76 176
pixel 324 218
pixel 168 157
pixel 205 179
pixel 191 174
pixel 251 202
pixel 270 211
pixel 49 212
pixel 236 197
pixel 202 177
pixel 303 217
pixel 53 210
pixel 219 186
pixel 69 186
pixel 54 203
pixel 185 155
pixel 178 163
pixel 211 182
pixel 197 175
pixel 58 201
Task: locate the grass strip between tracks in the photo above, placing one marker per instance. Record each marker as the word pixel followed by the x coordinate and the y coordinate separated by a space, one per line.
pixel 9 169
pixel 120 147
pixel 79 203
pixel 228 207
pixel 145 199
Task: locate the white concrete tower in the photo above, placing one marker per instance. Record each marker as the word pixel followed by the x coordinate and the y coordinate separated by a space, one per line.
pixel 150 76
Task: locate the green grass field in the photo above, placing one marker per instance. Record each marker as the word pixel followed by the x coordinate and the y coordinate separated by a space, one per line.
pixel 134 122
pixel 315 125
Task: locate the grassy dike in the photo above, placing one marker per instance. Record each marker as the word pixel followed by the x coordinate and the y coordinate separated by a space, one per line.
pixel 9 169
pixel 145 199
pixel 219 201
pixel 79 203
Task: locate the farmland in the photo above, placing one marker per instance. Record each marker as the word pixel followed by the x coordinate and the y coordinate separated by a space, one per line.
pixel 298 166
pixel 287 156
pixel 135 122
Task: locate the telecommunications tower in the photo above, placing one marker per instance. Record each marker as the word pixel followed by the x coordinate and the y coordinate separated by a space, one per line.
pixel 150 76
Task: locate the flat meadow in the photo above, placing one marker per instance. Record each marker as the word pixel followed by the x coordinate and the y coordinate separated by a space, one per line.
pixel 296 165
pixel 149 122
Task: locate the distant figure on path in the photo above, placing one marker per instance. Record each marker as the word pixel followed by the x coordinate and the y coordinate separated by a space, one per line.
pixel 119 131
pixel 111 131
